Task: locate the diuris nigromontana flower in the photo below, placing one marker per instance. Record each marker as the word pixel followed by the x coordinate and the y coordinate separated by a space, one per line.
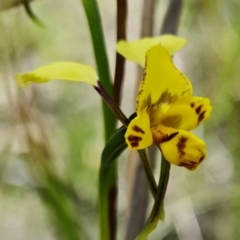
pixel 167 111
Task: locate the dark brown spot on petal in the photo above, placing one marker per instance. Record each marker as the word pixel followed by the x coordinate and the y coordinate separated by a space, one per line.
pixel 201 116
pixel 137 129
pixel 192 105
pixel 140 92
pixel 181 145
pixel 166 97
pixel 169 137
pixel 134 140
pixel 198 109
pixel 192 162
pixel 188 165
pixel 201 159
pixel 134 144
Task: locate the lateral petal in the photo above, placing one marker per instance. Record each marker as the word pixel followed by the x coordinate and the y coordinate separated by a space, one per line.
pixel 138 134
pixel 135 51
pixel 186 113
pixel 179 147
pixel 162 82
pixel 59 71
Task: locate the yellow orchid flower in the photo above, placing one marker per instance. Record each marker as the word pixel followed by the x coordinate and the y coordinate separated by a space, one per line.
pixel 166 111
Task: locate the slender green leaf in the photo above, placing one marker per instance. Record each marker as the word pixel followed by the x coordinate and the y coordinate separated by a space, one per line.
pixel 114 147
pixel 107 187
pixel 95 27
pixel 107 175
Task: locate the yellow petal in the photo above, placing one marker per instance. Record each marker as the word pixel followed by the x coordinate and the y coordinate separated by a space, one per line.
pixel 138 135
pixel 162 82
pixel 59 71
pixel 180 147
pixel 186 113
pixel 136 51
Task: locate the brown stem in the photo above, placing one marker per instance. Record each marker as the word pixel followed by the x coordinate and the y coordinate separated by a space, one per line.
pixel 112 104
pixel 120 61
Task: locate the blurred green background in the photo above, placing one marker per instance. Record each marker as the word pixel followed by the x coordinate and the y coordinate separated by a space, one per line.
pixel 52 134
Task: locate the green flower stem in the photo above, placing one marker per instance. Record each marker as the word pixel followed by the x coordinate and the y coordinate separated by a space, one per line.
pixel 157 210
pixel 112 104
pixel 125 121
pixel 148 171
pixel 164 177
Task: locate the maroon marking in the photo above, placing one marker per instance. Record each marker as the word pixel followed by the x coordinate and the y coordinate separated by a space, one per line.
pixel 187 165
pixel 137 129
pixel 184 164
pixel 169 137
pixel 201 116
pixel 181 145
pixel 134 144
pixel 198 109
pixel 134 140
pixel 201 159
pixel 192 162
pixel 192 105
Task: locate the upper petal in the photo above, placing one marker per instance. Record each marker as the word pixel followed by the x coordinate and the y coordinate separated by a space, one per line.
pixel 186 113
pixel 162 82
pixel 136 51
pixel 179 147
pixel 138 134
pixel 61 71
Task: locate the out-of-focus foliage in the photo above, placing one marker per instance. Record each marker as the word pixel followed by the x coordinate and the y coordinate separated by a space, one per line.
pixel 51 135
pixel 6 4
